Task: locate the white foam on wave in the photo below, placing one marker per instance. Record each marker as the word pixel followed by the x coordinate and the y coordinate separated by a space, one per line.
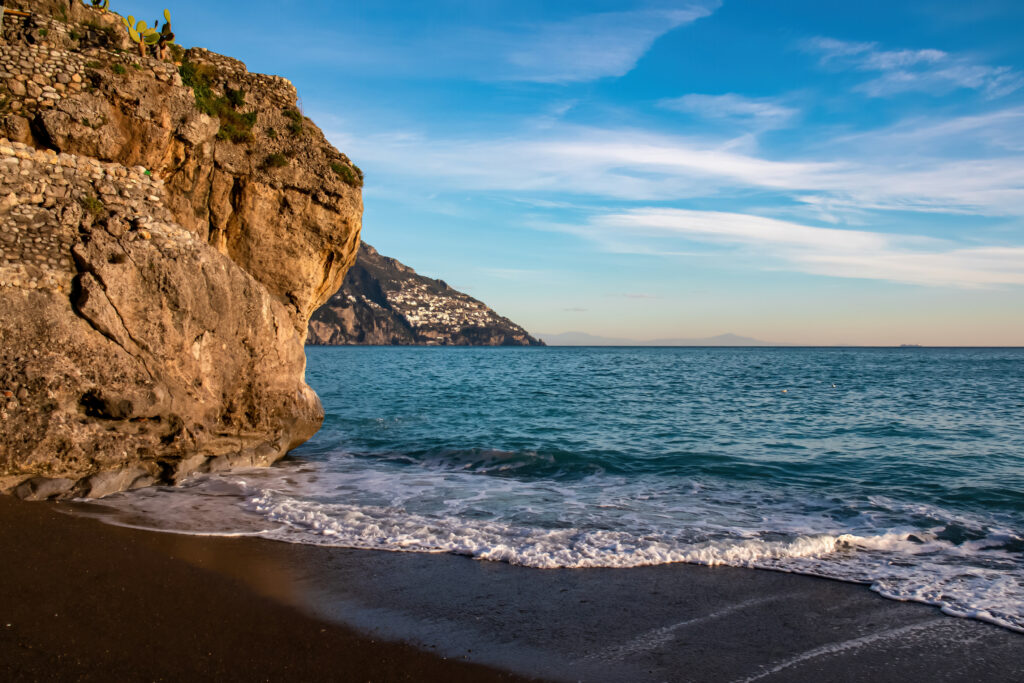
pixel 604 522
pixel 886 561
pixel 366 527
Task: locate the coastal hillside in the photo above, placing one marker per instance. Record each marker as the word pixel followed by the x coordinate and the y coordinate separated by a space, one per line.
pixel 385 302
pixel 169 223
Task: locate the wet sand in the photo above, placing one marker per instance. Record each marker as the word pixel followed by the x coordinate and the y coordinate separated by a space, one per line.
pixel 82 601
pixel 87 601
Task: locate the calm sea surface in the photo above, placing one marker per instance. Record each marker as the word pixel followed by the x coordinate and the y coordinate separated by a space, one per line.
pixel 898 468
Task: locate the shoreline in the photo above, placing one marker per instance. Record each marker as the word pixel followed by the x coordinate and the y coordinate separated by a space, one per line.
pixel 82 600
pixel 144 604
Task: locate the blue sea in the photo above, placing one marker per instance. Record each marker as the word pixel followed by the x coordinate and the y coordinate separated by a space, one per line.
pixel 902 469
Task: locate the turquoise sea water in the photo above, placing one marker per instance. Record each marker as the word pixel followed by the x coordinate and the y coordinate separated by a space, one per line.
pixel 898 468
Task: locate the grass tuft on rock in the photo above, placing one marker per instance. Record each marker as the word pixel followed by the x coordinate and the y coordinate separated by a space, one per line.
pixel 276 161
pixel 234 126
pixel 236 97
pixel 93 206
pixel 351 175
pixel 197 77
pixel 294 120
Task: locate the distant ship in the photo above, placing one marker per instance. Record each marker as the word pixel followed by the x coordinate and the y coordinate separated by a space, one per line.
pixel 910 346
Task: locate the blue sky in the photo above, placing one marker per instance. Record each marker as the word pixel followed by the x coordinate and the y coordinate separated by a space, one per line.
pixel 801 172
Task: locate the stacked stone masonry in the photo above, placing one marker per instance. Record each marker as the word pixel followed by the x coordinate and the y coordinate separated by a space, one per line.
pixel 274 91
pixel 37 76
pixel 42 197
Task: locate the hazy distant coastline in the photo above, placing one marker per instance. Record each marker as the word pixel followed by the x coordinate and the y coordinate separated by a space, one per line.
pixel 728 339
pixel 584 339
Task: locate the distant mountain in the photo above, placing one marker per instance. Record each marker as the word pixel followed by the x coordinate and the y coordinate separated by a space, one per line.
pixel 583 339
pixel 385 302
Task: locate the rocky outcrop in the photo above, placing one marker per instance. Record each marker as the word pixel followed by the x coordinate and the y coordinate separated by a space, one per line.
pixel 385 302
pixel 164 242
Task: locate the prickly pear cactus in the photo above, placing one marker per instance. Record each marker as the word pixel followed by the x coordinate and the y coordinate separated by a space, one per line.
pixel 101 5
pixel 166 36
pixel 141 33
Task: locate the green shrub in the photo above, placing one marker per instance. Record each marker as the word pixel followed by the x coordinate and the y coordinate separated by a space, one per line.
pixel 119 69
pixel 197 77
pixel 271 133
pixel 92 205
pixel 234 126
pixel 350 175
pixel 276 161
pixel 92 65
pixel 294 120
pixel 136 66
pixel 44 32
pixel 236 97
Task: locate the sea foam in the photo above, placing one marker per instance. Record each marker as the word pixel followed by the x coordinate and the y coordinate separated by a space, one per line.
pixel 897 469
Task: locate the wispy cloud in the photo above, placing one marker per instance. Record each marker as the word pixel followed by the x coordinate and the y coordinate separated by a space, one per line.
pixel 833 252
pixel 760 112
pixel 893 172
pixel 925 70
pixel 576 48
pixel 589 47
pixel 994 132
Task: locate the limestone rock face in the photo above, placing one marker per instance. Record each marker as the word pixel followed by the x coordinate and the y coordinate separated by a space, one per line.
pixel 157 266
pixel 385 302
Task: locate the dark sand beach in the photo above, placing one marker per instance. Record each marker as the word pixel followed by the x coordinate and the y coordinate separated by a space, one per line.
pixel 82 600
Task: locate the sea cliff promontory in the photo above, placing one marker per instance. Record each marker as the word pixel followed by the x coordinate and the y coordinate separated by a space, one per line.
pixel 167 227
pixel 384 302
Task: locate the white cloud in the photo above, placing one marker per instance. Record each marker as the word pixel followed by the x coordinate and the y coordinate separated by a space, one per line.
pixel 995 132
pixel 927 70
pixel 589 47
pixel 867 56
pixel 822 251
pixel 890 169
pixel 759 112
pixel 578 48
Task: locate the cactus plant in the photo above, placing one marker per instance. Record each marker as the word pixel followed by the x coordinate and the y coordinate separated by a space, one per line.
pixel 166 37
pixel 141 33
pixel 101 5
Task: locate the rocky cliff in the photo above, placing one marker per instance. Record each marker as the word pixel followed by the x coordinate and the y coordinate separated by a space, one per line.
pixel 385 302
pixel 166 230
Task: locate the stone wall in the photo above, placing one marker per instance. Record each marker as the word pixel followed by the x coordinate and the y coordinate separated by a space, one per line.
pixel 36 76
pixel 270 90
pixel 35 246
